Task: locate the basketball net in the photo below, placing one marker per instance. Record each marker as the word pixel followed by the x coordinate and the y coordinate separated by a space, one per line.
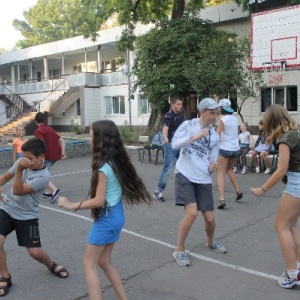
pixel 274 72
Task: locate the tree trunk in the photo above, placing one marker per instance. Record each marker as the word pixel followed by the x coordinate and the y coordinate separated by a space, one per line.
pixel 178 9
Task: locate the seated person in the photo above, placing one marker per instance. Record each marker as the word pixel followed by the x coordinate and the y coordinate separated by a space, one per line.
pixel 245 138
pixel 261 149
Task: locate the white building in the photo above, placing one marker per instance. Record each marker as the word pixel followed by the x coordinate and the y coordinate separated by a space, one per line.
pixel 77 79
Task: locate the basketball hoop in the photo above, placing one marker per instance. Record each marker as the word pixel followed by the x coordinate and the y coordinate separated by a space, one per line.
pixel 274 72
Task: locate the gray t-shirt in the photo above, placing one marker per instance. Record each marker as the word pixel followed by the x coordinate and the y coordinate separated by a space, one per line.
pixel 26 207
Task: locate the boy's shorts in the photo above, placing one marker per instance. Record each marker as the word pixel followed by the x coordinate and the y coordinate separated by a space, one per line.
pixel 27 231
pixel 187 192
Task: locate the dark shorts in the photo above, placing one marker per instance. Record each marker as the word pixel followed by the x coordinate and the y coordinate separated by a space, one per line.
pixel 187 192
pixel 229 154
pixel 27 231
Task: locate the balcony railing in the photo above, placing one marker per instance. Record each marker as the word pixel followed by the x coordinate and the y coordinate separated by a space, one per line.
pixel 76 79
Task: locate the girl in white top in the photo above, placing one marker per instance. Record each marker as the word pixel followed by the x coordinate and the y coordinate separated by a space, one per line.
pixel 245 138
pixel 229 150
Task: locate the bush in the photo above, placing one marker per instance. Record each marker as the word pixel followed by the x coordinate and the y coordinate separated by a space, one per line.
pixel 128 136
pixel 75 127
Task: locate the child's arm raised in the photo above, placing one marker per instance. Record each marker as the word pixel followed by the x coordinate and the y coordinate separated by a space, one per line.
pixel 20 188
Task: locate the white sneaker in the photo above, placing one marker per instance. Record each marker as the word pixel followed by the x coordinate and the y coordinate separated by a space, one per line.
pixel 257 170
pixel 244 171
pixel 217 246
pixel 181 258
pixel 234 169
pixel 268 171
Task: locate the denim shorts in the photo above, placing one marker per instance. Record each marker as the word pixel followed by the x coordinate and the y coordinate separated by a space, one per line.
pixel 293 186
pixel 49 163
pixel 107 228
pixel 187 192
pixel 229 154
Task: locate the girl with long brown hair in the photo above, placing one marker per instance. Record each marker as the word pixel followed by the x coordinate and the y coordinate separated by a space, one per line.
pixel 280 126
pixel 114 181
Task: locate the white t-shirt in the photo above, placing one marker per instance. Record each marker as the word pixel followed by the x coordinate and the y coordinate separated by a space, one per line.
pixel 245 137
pixel 195 156
pixel 230 134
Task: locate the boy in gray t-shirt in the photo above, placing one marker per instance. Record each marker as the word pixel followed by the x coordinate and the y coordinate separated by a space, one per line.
pixel 19 209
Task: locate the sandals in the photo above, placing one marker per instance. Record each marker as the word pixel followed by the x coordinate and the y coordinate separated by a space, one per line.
pixel 59 271
pixel 239 195
pixel 221 204
pixel 5 289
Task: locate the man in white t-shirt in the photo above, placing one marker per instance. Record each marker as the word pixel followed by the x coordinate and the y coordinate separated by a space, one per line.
pixel 199 147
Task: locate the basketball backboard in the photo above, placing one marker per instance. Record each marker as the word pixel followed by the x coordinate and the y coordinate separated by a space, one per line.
pixel 275 37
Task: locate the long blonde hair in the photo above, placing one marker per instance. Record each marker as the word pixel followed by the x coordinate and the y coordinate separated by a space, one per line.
pixel 276 122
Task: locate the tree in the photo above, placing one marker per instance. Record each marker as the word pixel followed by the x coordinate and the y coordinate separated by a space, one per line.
pixel 250 80
pixel 51 20
pixel 189 55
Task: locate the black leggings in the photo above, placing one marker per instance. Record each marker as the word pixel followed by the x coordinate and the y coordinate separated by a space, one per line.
pixel 243 153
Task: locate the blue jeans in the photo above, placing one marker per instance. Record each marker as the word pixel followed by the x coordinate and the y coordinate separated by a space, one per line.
pixel 169 162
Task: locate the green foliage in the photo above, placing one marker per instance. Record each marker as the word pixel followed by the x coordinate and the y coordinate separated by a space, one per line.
pixel 129 136
pixel 52 20
pixel 186 55
pixel 75 127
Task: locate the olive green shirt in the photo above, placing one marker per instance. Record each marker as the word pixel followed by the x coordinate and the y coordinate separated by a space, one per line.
pixel 292 139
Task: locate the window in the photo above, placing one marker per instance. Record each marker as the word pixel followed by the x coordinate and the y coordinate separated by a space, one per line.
pixel 115 105
pixel 285 96
pixel 78 112
pixel 144 105
pixel 54 74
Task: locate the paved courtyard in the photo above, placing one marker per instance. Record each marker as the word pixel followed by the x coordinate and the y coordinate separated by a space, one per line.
pixel 144 253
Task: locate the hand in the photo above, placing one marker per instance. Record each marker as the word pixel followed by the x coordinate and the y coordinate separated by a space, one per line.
pixel 213 166
pixel 204 132
pixel 166 141
pixel 24 163
pixel 257 191
pixel 63 156
pixel 63 202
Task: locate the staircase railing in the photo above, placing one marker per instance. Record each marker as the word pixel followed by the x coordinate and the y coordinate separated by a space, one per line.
pixel 17 111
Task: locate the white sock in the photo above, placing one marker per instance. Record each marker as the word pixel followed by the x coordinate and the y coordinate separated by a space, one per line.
pixel 293 273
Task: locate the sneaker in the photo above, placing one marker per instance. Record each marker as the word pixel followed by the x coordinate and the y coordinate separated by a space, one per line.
pixel 216 246
pixel 181 258
pixel 267 171
pixel 244 171
pixel 239 195
pixel 55 195
pixel 234 169
pixel 257 170
pixel 47 196
pixel 286 282
pixel 158 196
pixel 221 204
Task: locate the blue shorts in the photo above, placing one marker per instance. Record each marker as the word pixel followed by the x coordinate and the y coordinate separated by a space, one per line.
pixel 293 186
pixel 107 228
pixel 229 154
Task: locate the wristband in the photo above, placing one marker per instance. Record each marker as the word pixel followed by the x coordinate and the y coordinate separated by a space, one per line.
pixel 78 206
pixel 263 189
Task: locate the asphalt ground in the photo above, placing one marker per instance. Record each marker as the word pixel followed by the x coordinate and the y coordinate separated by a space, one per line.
pixel 144 253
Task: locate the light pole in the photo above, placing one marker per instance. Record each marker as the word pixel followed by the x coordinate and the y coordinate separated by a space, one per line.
pixel 129 88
